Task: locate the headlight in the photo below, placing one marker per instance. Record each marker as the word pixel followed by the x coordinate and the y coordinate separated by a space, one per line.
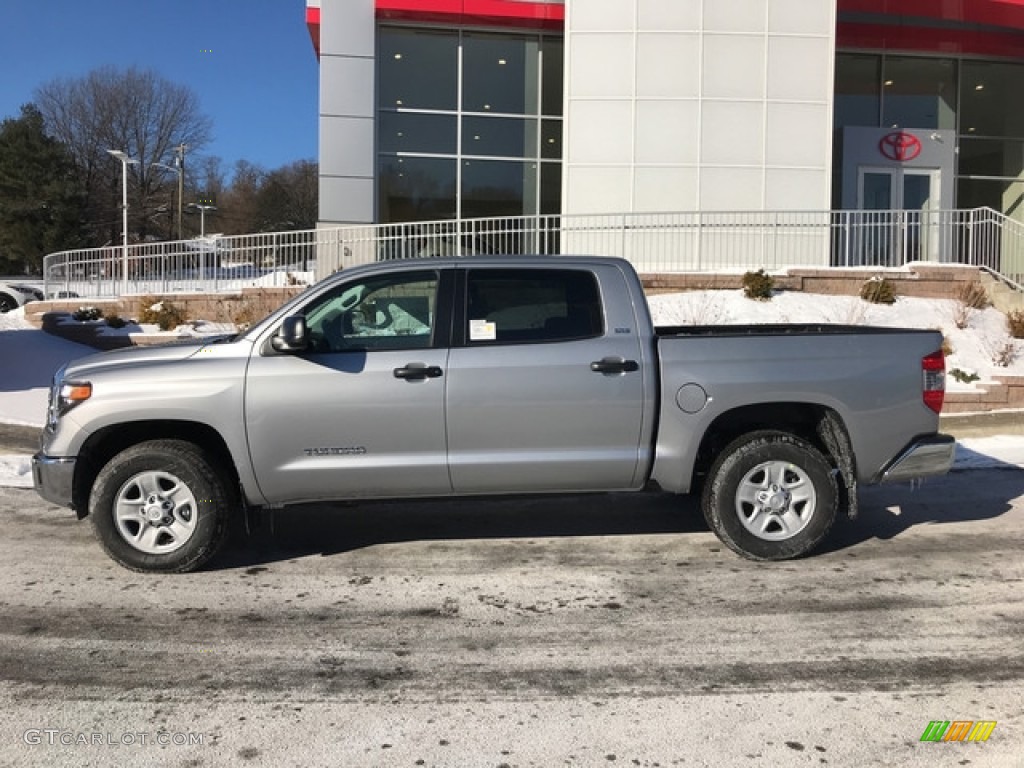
pixel 65 395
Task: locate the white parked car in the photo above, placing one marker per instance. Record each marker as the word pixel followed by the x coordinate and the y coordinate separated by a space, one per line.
pixel 13 295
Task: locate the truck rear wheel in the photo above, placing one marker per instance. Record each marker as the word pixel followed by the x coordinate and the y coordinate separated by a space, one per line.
pixel 161 506
pixel 770 496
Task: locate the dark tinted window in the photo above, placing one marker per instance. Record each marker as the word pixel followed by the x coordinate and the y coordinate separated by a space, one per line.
pixel 532 305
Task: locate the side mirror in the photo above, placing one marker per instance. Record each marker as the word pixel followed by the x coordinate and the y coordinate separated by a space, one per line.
pixel 292 337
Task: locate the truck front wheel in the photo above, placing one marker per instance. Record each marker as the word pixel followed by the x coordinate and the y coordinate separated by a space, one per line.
pixel 770 496
pixel 161 506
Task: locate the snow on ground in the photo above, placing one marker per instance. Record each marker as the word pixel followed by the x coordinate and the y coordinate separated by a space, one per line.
pixel 29 357
pixel 976 348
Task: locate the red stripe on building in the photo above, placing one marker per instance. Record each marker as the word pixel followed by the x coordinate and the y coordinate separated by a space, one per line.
pixel 502 13
pixel 313 25
pixel 929 40
pixel 997 13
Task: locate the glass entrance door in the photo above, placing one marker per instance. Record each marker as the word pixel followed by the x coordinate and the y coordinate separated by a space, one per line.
pixel 900 216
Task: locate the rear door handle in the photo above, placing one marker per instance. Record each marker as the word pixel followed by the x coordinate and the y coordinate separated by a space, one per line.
pixel 614 365
pixel 418 372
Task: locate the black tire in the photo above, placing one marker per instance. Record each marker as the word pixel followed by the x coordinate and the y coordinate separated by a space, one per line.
pixel 7 303
pixel 161 506
pixel 770 496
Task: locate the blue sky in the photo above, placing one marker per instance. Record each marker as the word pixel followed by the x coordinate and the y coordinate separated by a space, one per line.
pixel 250 62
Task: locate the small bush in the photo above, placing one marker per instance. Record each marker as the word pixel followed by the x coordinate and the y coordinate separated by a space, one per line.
pixel 244 317
pixel 116 322
pixel 161 313
pixel 758 285
pixel 964 377
pixel 1015 323
pixel 947 346
pixel 962 315
pixel 973 295
pixel 878 290
pixel 87 314
pixel 1004 354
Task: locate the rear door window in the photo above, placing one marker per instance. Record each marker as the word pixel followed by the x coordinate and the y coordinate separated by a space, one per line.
pixel 531 306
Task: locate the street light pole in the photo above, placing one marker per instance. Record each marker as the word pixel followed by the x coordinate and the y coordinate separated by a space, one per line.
pixel 202 215
pixel 180 174
pixel 125 160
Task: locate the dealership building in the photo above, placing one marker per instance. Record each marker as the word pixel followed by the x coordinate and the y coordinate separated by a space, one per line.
pixel 456 109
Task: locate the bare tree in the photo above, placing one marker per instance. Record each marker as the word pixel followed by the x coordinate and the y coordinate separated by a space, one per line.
pixel 138 112
pixel 288 197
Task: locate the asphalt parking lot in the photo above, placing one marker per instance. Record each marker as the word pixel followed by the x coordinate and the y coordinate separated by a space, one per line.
pixel 605 630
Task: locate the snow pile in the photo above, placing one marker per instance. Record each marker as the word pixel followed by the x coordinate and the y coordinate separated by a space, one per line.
pixel 980 348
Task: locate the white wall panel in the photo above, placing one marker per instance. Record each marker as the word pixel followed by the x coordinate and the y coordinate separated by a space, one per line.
pixel 801 17
pixel 731 189
pixel 733 66
pixel 346 153
pixel 599 190
pixel 666 189
pixel 667 132
pixel 610 54
pixel 349 201
pixel 347 28
pixel 671 15
pixel 734 15
pixel 601 15
pixel 600 132
pixel 795 189
pixel 668 65
pixel 347 86
pixel 799 68
pixel 732 133
pixel 797 135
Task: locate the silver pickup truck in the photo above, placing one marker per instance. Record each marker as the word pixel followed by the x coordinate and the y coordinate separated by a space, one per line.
pixel 495 375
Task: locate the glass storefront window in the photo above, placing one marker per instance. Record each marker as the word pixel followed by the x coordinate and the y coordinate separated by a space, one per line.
pixel 451 148
pixel 499 136
pixel 416 188
pixel 551 139
pixel 498 188
pixel 1004 195
pixel 418 69
pixel 857 96
pixel 417 132
pixel 500 74
pixel 552 76
pixel 990 97
pixel 551 188
pixel 991 157
pixel 919 92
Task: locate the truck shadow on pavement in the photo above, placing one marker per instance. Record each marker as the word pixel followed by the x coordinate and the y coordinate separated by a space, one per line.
pixel 331 529
pixel 886 512
pixel 983 490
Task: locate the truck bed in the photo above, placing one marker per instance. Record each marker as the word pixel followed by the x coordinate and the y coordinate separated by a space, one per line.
pixel 780 329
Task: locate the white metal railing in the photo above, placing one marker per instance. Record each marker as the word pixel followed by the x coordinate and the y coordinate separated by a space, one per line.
pixel 653 242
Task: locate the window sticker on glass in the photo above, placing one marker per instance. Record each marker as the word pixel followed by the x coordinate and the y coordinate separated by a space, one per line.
pixel 482 330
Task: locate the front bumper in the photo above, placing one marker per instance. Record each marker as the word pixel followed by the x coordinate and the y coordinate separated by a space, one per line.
pixel 924 457
pixel 53 478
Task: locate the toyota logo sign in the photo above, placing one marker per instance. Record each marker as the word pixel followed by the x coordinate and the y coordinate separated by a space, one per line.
pixel 900 146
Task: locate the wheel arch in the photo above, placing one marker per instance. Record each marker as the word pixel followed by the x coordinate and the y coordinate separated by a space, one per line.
pixel 106 443
pixel 819 425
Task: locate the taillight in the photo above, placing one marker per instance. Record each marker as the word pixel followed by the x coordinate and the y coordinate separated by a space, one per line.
pixel 933 375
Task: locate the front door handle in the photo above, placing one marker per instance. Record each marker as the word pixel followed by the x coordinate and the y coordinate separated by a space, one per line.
pixel 614 365
pixel 418 372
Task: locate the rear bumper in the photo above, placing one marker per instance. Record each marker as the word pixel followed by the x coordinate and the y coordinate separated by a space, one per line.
pixel 924 457
pixel 53 478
